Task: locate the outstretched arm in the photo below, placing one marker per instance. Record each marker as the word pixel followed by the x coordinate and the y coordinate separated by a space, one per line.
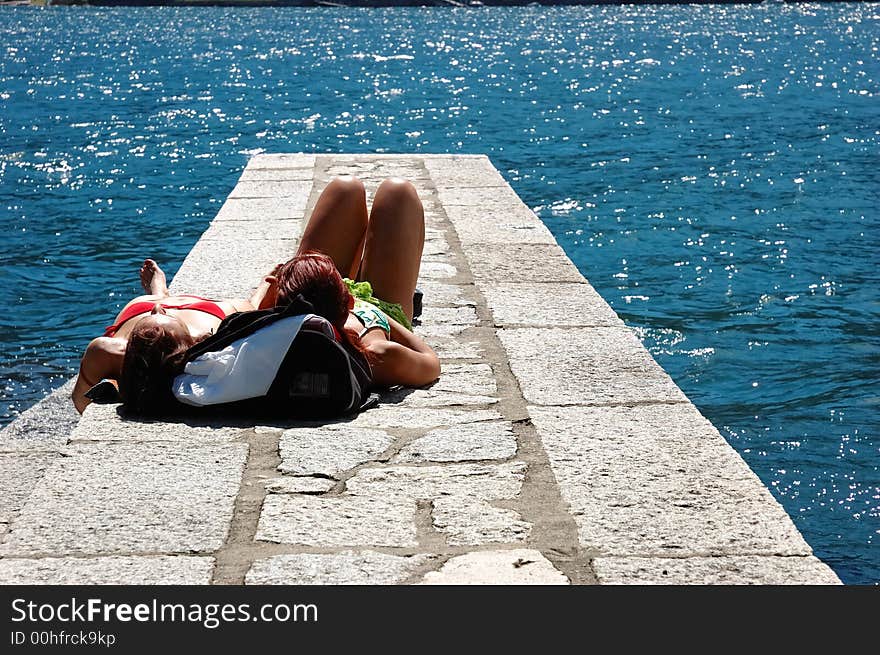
pixel 102 359
pixel 406 359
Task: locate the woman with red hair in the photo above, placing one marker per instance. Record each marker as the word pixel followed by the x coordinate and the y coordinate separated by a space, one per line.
pixel 350 258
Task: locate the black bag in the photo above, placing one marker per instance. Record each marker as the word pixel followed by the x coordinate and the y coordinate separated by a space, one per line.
pixel 289 363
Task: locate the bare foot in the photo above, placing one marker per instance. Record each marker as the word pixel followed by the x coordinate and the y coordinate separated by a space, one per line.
pixel 153 279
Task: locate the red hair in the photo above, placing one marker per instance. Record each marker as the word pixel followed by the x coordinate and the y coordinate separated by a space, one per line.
pixel 314 276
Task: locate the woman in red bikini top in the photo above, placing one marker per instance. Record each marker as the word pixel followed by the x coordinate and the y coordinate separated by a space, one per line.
pixel 157 326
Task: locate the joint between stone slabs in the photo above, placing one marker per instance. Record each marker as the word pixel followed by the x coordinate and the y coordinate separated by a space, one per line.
pixel 235 557
pixel 99 554
pixel 539 501
pixel 615 403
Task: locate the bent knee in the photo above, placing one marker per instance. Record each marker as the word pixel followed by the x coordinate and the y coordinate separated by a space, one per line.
pixel 347 185
pixel 397 189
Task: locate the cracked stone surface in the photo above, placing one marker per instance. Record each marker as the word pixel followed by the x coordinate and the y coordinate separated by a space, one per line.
pixel 462 443
pixel 111 570
pixel 484 481
pixel 439 294
pixel 459 384
pixel 338 521
pixel 394 416
pixel 474 379
pixel 450 315
pixel 731 570
pixel 660 480
pixel 417 398
pixel 330 450
pixel 498 567
pixel 146 497
pixel 452 348
pixel 469 522
pixel 584 366
pixel 346 568
pixel 294 484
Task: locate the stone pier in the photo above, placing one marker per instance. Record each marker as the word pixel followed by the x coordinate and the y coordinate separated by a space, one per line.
pixel 552 450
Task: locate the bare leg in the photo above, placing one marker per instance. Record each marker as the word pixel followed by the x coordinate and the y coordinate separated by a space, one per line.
pixel 337 224
pixel 153 279
pixel 394 242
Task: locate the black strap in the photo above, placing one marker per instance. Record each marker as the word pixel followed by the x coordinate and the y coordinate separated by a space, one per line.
pixel 240 324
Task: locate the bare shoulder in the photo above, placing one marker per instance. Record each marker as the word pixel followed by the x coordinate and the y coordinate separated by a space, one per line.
pixel 103 355
pixel 106 345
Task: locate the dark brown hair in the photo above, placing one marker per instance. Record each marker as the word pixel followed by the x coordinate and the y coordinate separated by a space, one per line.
pixel 154 355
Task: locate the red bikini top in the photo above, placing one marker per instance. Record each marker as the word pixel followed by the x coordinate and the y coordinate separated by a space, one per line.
pixel 144 306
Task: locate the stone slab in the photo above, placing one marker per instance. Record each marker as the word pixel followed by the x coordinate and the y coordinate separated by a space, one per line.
pixel 103 422
pixel 376 170
pixel 240 232
pixel 584 366
pixel 576 305
pixel 498 225
pixel 338 521
pixel 19 474
pixel 436 271
pixel 498 567
pixel 466 316
pixel 145 497
pixel 466 521
pixel 271 189
pixel 464 172
pixel 476 442
pixel 394 416
pixel 658 480
pixel 440 294
pixel 295 484
pixel 345 568
pixel 448 348
pixel 731 570
pixel 243 268
pixel 43 426
pixel 522 263
pixel 481 481
pixel 259 209
pixel 277 174
pixel 330 450
pixel 420 398
pixel 112 570
pixel 286 161
pixel 474 379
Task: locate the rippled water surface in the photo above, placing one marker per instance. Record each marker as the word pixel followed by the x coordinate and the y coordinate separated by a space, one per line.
pixel 711 169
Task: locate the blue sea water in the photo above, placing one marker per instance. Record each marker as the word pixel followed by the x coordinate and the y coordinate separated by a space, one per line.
pixel 713 170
